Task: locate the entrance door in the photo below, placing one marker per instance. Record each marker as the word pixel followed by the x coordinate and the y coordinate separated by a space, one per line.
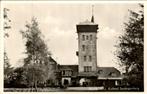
pixel 66 82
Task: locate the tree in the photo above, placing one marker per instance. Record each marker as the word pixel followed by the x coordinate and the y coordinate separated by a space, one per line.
pixel 36 49
pixel 6 22
pixel 7 66
pixel 37 54
pixel 35 75
pixel 7 70
pixel 131 47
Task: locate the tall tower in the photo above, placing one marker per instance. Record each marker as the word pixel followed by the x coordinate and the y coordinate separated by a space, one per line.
pixel 87 45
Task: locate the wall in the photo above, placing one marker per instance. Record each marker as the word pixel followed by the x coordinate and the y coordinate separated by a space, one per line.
pixel 90 51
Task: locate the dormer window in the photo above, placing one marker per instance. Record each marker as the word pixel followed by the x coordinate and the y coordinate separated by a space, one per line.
pixel 100 71
pixel 112 74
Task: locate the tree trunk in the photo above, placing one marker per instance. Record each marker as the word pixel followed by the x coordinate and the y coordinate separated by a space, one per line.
pixel 36 86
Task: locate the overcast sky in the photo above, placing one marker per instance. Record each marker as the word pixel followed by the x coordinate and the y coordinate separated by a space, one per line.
pixel 58 24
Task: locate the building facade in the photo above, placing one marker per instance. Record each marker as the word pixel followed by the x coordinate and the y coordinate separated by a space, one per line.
pixel 87 73
pixel 87 46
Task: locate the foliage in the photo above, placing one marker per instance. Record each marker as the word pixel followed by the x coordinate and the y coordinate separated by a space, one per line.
pixel 37 63
pixel 6 22
pixel 36 74
pixel 29 76
pixel 7 67
pixel 131 48
pixel 16 78
pixel 36 49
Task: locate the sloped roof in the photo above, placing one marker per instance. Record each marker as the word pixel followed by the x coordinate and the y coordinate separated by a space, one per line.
pixel 88 74
pixel 108 72
pixel 51 60
pixel 69 67
pixel 101 73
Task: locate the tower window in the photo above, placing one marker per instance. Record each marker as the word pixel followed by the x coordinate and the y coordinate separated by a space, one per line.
pixel 90 58
pixel 87 37
pixel 87 47
pixel 83 37
pixel 83 47
pixel 87 68
pixel 90 37
pixel 85 58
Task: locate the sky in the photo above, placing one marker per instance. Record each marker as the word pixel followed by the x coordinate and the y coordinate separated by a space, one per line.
pixel 57 23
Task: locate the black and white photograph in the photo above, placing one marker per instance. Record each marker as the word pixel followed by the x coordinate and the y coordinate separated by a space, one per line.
pixel 73 46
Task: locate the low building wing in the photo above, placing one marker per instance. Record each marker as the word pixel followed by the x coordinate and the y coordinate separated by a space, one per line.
pixel 68 70
pixel 108 73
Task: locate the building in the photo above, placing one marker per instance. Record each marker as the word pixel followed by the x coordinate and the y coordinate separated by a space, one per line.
pixel 87 56
pixel 69 74
pixel 87 73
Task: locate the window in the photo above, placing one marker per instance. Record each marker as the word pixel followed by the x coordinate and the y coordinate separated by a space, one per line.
pixel 83 37
pixel 87 68
pixel 84 58
pixel 112 74
pixel 83 47
pixel 63 72
pixel 66 73
pixel 69 73
pixel 90 58
pixel 87 47
pixel 100 71
pixel 87 37
pixel 90 37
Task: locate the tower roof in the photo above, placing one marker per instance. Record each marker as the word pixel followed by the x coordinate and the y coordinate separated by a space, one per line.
pixel 87 26
pixel 92 19
pixel 87 22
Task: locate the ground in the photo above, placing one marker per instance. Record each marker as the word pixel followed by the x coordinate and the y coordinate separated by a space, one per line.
pixel 68 89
